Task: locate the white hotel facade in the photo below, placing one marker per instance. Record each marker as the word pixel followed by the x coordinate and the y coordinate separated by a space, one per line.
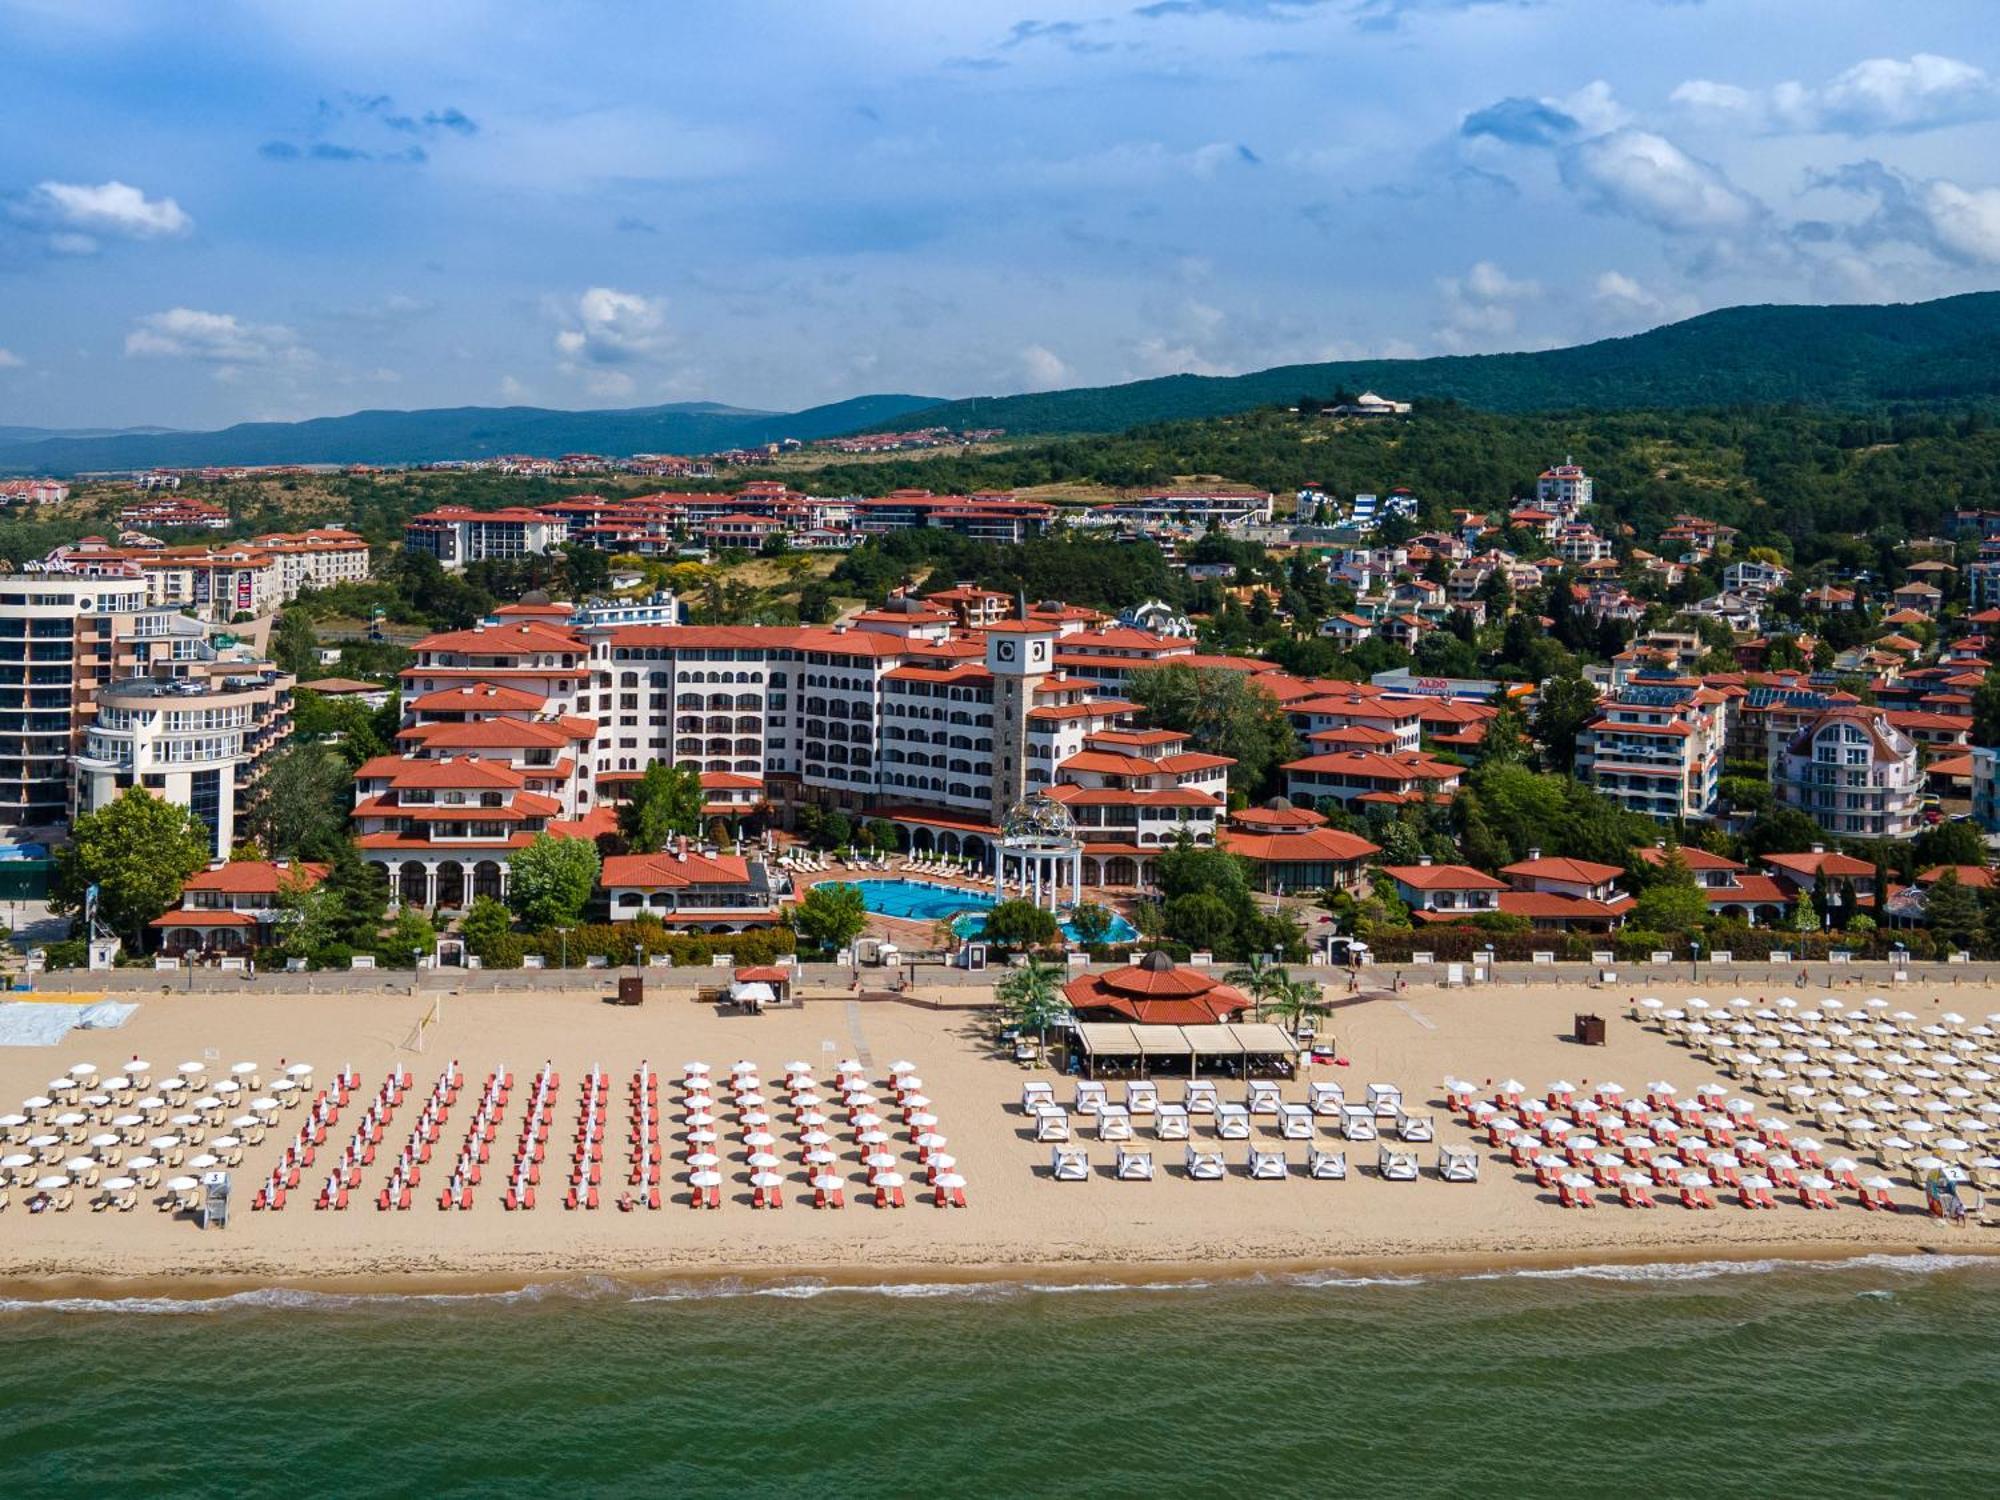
pixel 936 729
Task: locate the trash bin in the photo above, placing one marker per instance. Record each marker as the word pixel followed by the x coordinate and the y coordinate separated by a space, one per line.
pixel 632 990
pixel 1590 1030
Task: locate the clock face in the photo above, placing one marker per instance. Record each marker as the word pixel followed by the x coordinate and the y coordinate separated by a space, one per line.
pixel 1006 650
pixel 1040 649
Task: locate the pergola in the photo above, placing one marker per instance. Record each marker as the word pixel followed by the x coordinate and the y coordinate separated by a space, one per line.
pixel 1185 1047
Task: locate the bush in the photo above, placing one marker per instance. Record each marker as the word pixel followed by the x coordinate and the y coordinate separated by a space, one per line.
pixel 621 942
pixel 69 953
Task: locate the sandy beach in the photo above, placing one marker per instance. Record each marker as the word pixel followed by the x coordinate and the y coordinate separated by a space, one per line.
pixel 1018 1222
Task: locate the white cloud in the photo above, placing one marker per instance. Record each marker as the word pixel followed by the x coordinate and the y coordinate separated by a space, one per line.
pixel 1043 369
pixel 1482 307
pixel 9 360
pixel 512 389
pixel 610 327
pixel 1619 296
pixel 1957 224
pixel 1647 177
pixel 76 213
pixel 214 338
pixel 1879 96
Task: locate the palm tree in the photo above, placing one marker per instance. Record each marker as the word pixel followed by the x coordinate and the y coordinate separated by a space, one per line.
pixel 1031 995
pixel 1260 979
pixel 1298 1001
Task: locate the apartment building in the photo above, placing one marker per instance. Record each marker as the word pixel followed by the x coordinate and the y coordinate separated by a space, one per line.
pixel 1564 488
pixel 456 534
pixel 200 740
pixel 64 638
pixel 1854 773
pixel 1657 747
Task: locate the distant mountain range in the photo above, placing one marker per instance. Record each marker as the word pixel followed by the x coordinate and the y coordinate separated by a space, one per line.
pixel 1851 355
pixel 398 437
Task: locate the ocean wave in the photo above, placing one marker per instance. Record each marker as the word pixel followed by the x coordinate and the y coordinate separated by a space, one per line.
pixel 614 1289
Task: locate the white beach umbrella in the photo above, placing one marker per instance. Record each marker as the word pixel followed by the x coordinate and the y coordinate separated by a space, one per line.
pixel 53 1183
pixel 119 1184
pixel 701 1137
pixel 299 1070
pixel 1696 1180
pixel 164 1143
pixel 759 1139
pixel 182 1184
pixel 819 1158
pixel 762 1160
pixel 226 1142
pixel 15 1160
pixel 263 1106
pixel 829 1182
pixel 141 1163
pixel 705 1179
pixel 702 1160
pixel 881 1160
pixel 888 1179
pixel 203 1162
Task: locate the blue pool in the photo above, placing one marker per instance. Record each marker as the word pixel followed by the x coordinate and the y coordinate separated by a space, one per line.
pixel 915 901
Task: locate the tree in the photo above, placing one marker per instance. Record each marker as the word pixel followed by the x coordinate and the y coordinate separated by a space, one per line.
pixel 1091 922
pixel 299 806
pixel 138 851
pixel 1031 997
pixel 666 800
pixel 831 916
pixel 1021 924
pixel 1221 713
pixel 307 919
pixel 339 722
pixel 1296 1001
pixel 1563 706
pixel 1505 742
pixel 1202 920
pixel 551 880
pixel 1951 844
pixel 1783 830
pixel 486 927
pixel 1260 979
pixel 1951 910
pixel 361 890
pixel 586 570
pixel 410 938
pixel 1673 902
pixel 295 644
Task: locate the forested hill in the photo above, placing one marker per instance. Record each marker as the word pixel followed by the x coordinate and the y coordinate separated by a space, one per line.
pixel 401 437
pixel 1841 356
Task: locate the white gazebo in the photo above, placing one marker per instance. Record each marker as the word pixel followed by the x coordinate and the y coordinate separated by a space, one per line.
pixel 1038 853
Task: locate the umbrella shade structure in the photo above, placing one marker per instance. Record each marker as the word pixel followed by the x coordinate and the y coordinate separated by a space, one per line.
pixel 14 1161
pixel 888 1179
pixel 164 1142
pixel 829 1182
pixel 83 1070
pixel 759 1140
pixel 299 1070
pixel 820 1158
pixel 705 1179
pixel 762 1161
pixel 106 1142
pixel 703 1160
pixel 766 1180
pixel 140 1163
pixel 120 1184
pixel 263 1106
pixel 203 1162
pixel 137 1066
pixel 1696 1180
pixel 701 1137
pixel 52 1183
pixel 881 1161
pixel 242 1069
pixel 182 1184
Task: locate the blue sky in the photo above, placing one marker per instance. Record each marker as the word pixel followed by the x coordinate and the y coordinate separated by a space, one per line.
pixel 213 212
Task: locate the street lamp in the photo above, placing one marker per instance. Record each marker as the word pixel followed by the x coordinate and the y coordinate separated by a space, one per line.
pixel 564 933
pixel 1694 957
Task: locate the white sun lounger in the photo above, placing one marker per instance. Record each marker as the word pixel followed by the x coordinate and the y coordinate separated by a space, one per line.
pixel 1114 1122
pixel 1205 1166
pixel 1171 1123
pixel 1267 1166
pixel 1135 1166
pixel 1396 1166
pixel 1386 1100
pixel 1325 1098
pixel 1295 1122
pixel 1327 1166
pixel 1069 1164
pixel 1357 1122
pixel 1263 1098
pixel 1232 1122
pixel 1458 1165
pixel 1052 1124
pixel 1415 1128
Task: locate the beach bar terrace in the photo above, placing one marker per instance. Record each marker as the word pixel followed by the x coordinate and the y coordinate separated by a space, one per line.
pixel 1244 1050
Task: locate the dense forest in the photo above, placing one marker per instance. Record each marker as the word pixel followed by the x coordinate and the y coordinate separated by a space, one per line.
pixel 1838 356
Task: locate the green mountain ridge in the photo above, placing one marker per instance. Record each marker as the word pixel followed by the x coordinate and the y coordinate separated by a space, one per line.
pixel 401 437
pixel 1769 354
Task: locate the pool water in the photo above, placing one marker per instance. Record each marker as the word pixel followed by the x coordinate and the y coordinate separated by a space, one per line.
pixel 916 901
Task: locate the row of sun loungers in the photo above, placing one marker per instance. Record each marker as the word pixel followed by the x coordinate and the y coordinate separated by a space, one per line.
pixel 1453 1164
pixel 299 1153
pixel 1691 1146
pixel 532 1144
pixel 359 1152
pixel 478 1145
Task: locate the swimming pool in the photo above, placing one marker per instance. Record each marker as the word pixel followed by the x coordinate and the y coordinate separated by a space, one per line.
pixel 918 901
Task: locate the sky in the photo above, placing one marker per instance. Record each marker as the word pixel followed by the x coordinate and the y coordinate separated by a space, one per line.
pixel 215 212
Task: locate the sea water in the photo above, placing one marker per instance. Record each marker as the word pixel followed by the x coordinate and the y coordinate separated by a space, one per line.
pixel 1879 1376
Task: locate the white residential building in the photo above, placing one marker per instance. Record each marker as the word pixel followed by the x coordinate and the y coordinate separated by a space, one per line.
pixel 1853 773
